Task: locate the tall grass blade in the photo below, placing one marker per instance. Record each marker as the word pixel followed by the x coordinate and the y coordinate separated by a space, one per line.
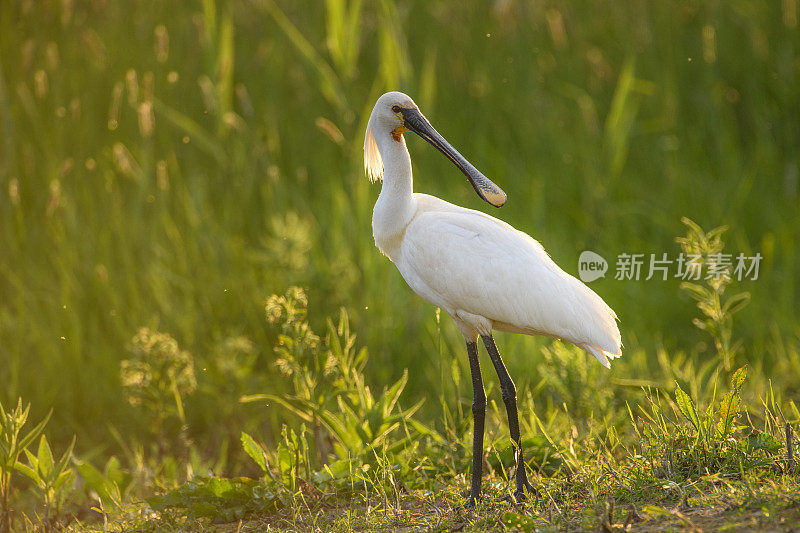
pixel 330 85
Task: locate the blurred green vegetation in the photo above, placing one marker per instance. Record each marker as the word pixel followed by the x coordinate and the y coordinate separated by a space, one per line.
pixel 171 165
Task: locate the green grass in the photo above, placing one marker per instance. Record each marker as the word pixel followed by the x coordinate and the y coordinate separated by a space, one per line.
pixel 367 463
pixel 165 169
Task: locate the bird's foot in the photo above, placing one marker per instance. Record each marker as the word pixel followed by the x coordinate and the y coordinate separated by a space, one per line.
pixel 510 499
pixel 524 485
pixel 519 496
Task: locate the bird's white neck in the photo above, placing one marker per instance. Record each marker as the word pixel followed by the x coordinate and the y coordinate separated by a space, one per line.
pixel 395 206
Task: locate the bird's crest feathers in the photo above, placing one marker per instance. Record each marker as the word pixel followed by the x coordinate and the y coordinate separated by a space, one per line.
pixel 373 164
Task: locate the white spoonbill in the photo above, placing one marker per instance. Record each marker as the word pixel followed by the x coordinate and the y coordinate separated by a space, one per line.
pixel 483 272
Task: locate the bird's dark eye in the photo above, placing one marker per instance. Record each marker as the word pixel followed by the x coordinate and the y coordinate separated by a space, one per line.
pixel 395 109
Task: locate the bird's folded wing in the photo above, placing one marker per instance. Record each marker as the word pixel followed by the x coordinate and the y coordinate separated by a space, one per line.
pixel 466 260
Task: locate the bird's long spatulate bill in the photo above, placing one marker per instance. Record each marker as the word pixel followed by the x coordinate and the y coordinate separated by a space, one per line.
pixel 486 189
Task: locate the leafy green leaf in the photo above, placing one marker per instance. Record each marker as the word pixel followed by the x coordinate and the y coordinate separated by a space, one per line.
pixel 107 489
pixel 335 470
pixel 28 472
pixel 45 458
pixel 728 409
pixel 391 396
pixel 35 432
pixel 65 479
pixel 254 450
pixel 696 291
pixel 738 378
pixel 763 441
pixel 286 453
pixel 736 303
pixel 686 406
pixel 61 466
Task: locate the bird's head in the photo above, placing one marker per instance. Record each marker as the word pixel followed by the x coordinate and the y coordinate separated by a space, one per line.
pixel 396 113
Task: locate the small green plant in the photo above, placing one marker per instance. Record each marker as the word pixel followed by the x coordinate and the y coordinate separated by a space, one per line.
pixel 53 478
pixel 693 443
pixel 109 487
pixel 217 499
pixel 229 370
pixel 706 249
pixel 329 389
pixel 13 442
pixel 291 460
pixel 255 451
pixel 224 500
pixel 157 377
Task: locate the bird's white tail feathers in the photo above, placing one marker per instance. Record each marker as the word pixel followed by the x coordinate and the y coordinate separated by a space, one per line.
pixel 602 355
pixel 603 341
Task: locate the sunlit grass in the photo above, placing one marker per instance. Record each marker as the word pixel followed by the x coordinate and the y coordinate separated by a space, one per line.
pixel 166 168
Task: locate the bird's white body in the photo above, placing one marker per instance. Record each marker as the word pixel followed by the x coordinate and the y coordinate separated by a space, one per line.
pixel 484 273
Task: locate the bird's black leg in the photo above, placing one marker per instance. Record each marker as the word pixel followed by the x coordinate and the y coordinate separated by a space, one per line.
pixel 478 416
pixel 509 392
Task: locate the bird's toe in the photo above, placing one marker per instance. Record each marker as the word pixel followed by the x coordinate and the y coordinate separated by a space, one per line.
pixel 521 494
